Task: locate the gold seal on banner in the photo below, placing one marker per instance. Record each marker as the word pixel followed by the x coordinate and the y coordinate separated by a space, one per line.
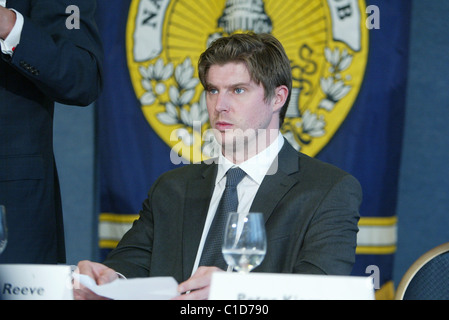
pixel 326 41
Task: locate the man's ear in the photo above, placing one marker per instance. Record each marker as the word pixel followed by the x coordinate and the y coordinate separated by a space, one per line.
pixel 280 96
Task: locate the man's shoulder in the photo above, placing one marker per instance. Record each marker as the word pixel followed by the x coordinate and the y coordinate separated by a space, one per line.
pixel 319 170
pixel 307 161
pixel 188 171
pixel 309 165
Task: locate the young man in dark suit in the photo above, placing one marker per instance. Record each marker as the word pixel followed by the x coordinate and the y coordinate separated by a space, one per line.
pixel 310 208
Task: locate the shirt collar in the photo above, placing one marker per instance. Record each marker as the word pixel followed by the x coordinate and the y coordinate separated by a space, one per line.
pixel 256 167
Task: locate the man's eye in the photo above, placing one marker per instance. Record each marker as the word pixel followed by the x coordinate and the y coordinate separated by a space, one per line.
pixel 239 90
pixel 213 91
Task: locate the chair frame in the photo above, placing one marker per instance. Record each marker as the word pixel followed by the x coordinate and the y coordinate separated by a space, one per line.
pixel 416 266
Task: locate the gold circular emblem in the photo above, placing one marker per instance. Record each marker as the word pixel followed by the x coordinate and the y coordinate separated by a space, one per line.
pixel 326 40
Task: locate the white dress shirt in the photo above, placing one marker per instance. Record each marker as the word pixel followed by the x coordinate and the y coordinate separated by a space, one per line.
pixel 255 168
pixel 13 39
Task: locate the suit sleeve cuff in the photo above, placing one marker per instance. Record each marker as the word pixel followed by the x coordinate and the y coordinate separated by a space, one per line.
pixel 13 39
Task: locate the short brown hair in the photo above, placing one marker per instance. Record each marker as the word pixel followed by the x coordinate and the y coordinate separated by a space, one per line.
pixel 263 55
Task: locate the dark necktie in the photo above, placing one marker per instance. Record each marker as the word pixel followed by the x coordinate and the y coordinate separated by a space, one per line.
pixel 212 255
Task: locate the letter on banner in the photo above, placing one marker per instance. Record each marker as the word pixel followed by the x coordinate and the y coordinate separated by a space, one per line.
pixel 346 22
pixel 148 33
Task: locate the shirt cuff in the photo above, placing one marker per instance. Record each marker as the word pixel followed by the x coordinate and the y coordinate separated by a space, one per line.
pixel 13 39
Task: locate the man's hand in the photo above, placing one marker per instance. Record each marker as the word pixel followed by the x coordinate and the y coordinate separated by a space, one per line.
pixel 97 271
pixel 197 287
pixel 7 22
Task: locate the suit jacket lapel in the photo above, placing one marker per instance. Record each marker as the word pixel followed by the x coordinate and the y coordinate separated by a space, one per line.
pixel 275 186
pixel 198 196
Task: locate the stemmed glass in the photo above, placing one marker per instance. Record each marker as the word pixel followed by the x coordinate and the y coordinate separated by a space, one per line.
pixel 245 241
pixel 3 229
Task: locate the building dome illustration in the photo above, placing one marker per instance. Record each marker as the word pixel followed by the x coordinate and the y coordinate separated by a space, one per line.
pixel 245 15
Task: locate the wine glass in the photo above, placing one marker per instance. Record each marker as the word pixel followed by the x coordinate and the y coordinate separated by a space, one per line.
pixel 3 229
pixel 245 241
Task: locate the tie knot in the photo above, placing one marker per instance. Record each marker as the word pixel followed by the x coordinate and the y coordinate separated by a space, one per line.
pixel 234 176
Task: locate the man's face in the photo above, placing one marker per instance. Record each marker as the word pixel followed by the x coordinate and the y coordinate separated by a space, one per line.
pixel 237 106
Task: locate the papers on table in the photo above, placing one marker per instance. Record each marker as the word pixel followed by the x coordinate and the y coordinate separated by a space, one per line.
pixel 155 288
pixel 50 282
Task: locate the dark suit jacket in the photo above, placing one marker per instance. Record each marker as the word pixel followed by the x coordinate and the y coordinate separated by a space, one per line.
pixel 310 208
pixel 51 63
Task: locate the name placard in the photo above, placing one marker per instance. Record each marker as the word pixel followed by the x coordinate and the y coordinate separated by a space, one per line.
pixel 35 282
pixel 270 286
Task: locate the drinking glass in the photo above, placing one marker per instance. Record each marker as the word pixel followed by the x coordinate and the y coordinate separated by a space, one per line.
pixel 245 241
pixel 3 229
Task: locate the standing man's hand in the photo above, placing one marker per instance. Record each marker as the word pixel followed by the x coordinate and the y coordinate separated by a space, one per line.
pixel 7 22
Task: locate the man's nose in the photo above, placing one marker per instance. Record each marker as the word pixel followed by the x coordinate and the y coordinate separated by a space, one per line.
pixel 222 103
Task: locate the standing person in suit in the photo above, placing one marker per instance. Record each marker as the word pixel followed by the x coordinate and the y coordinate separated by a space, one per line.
pixel 310 208
pixel 46 56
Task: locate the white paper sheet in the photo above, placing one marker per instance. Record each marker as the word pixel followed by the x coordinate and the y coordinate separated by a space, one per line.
pixel 153 288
